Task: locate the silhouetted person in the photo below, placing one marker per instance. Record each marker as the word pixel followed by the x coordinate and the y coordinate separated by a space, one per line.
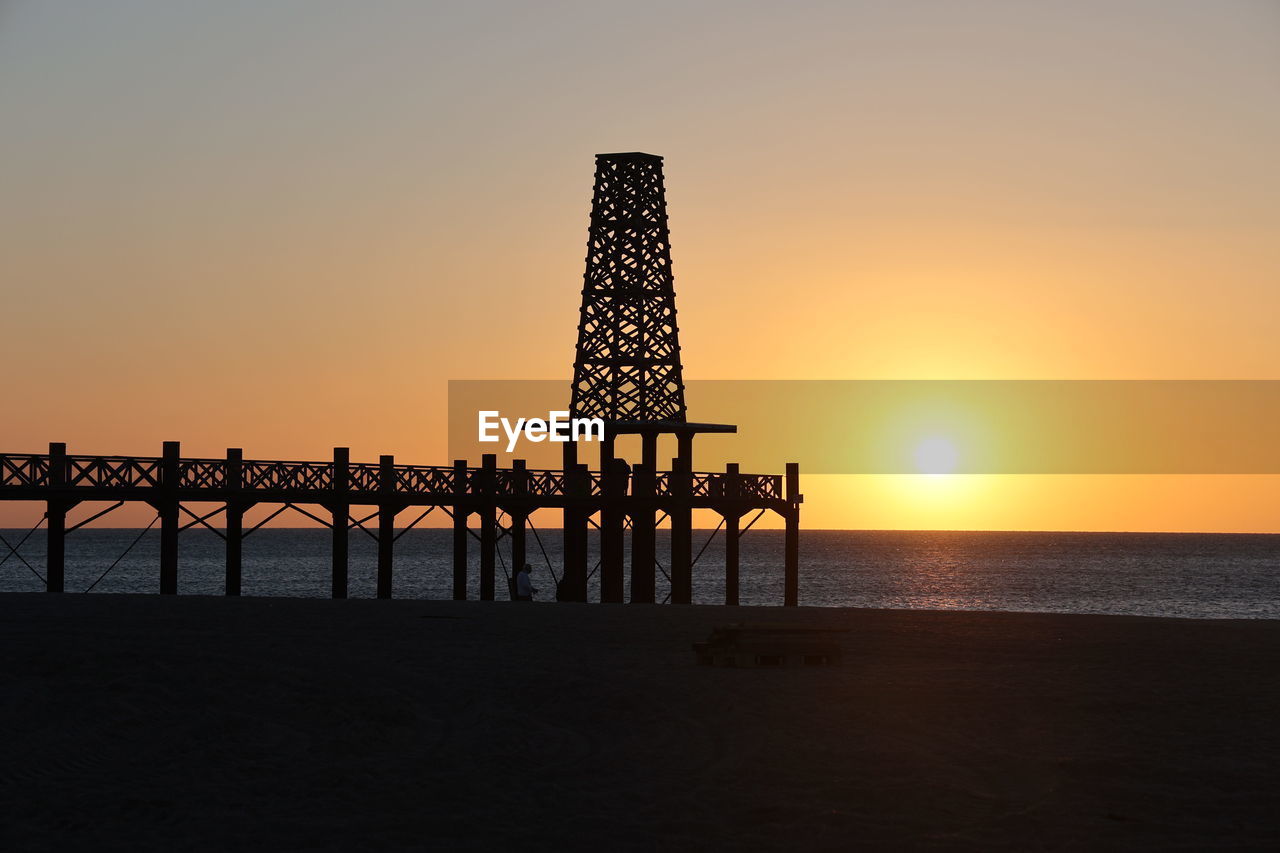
pixel 524 584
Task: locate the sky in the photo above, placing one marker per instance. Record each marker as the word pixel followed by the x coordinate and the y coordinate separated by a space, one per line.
pixel 284 226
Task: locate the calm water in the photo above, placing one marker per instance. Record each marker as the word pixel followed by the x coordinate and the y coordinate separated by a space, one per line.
pixel 1195 575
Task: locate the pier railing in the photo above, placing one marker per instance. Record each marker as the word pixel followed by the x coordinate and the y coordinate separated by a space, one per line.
pixel 616 501
pixel 33 471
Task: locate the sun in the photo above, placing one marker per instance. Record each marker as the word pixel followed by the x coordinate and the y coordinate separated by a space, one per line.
pixel 936 455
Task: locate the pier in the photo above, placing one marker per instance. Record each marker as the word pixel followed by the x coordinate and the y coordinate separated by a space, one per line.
pixel 627 372
pixel 500 499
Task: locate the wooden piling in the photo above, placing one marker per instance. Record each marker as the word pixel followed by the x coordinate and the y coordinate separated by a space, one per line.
pixel 573 583
pixel 612 539
pixel 340 524
pixel 649 450
pixel 488 526
pixel 607 450
pixel 577 488
pixel 684 449
pixel 460 512
pixel 518 514
pixel 387 510
pixel 235 520
pixel 791 569
pixel 170 471
pixel 643 544
pixel 56 537
pixel 731 536
pixel 56 521
pixel 680 512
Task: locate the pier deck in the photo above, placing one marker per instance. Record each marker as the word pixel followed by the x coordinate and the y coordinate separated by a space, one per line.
pixel 612 500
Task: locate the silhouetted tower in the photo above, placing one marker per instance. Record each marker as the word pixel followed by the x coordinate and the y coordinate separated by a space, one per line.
pixel 627 367
pixel 627 372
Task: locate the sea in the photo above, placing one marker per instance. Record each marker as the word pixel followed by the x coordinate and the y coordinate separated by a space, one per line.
pixel 1191 575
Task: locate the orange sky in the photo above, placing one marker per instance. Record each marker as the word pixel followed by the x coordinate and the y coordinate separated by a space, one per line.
pixel 285 227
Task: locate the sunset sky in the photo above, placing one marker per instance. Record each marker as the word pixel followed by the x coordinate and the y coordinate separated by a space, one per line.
pixel 284 226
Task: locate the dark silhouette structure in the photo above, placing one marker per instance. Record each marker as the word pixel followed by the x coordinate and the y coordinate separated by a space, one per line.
pixel 628 362
pixel 627 372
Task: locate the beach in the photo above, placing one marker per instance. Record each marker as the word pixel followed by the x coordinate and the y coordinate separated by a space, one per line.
pixel 135 722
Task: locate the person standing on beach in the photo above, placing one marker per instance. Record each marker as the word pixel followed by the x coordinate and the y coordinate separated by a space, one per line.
pixel 524 585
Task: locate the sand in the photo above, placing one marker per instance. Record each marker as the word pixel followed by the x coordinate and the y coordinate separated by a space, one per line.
pixel 150 723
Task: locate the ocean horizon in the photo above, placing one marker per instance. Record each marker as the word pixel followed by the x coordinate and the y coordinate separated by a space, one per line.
pixel 1187 575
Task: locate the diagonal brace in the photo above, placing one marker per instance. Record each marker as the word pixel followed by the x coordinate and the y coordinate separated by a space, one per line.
pixel 96 516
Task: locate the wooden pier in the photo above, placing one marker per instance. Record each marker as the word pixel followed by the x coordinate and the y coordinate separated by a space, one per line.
pixel 627 372
pixel 610 499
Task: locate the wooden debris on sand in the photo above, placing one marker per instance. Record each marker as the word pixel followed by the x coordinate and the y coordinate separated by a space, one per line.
pixel 769 646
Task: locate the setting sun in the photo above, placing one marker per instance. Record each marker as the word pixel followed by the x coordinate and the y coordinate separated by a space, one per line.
pixel 936 455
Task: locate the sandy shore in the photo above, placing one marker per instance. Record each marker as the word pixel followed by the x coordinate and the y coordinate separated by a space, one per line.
pixel 177 723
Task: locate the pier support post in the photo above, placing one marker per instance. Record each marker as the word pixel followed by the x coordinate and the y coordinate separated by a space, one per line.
pixel 643 545
pixel 791 594
pixel 341 526
pixel 612 520
pixel 731 534
pixel 607 450
pixel 518 515
pixel 459 530
pixel 681 515
pixel 731 545
pixel 235 519
pixel 649 450
pixel 573 583
pixel 684 449
pixel 387 510
pixel 488 526
pixel 56 521
pixel 56 551
pixel 168 509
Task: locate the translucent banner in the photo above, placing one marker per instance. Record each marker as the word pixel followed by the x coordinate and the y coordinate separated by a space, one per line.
pixel 911 427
